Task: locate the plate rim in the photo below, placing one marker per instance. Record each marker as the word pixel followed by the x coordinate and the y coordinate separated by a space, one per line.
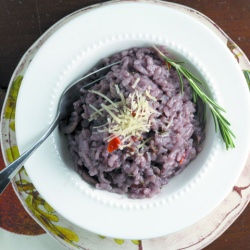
pixel 185 6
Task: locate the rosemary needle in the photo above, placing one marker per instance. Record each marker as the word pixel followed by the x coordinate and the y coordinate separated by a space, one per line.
pixel 220 122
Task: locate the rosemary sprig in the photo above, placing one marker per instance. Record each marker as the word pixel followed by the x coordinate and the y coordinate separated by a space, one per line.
pixel 220 122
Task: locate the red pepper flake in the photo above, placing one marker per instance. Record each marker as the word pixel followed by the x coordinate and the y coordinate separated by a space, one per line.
pixel 168 65
pixel 134 138
pixel 114 144
pixel 182 158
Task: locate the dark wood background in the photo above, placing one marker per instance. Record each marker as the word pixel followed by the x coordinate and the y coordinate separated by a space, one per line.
pixel 23 21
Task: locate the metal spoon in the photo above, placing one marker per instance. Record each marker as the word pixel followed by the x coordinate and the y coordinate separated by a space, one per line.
pixel 69 95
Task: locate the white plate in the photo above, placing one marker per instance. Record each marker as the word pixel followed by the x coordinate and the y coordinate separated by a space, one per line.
pixel 74 49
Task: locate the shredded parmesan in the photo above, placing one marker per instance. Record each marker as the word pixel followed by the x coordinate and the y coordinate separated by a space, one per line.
pixel 94 115
pixel 96 110
pixel 103 96
pixel 127 118
pixel 111 113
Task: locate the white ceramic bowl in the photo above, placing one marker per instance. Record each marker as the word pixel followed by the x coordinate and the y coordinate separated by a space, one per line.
pixel 71 51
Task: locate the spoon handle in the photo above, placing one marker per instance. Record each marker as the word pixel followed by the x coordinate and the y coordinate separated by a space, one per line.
pixel 11 170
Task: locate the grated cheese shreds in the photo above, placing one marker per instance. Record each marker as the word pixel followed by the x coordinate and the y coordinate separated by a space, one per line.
pixel 112 114
pixel 96 110
pixel 130 118
pixel 103 96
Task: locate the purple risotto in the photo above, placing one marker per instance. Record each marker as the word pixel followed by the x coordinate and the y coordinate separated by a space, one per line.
pixel 135 129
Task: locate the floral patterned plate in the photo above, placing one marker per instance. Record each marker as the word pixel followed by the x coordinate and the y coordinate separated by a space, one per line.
pixel 72 237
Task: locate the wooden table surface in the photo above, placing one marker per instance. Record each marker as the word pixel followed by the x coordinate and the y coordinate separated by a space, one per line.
pixel 23 21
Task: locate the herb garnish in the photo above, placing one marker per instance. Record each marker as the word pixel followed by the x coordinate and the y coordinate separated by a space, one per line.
pixel 220 122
